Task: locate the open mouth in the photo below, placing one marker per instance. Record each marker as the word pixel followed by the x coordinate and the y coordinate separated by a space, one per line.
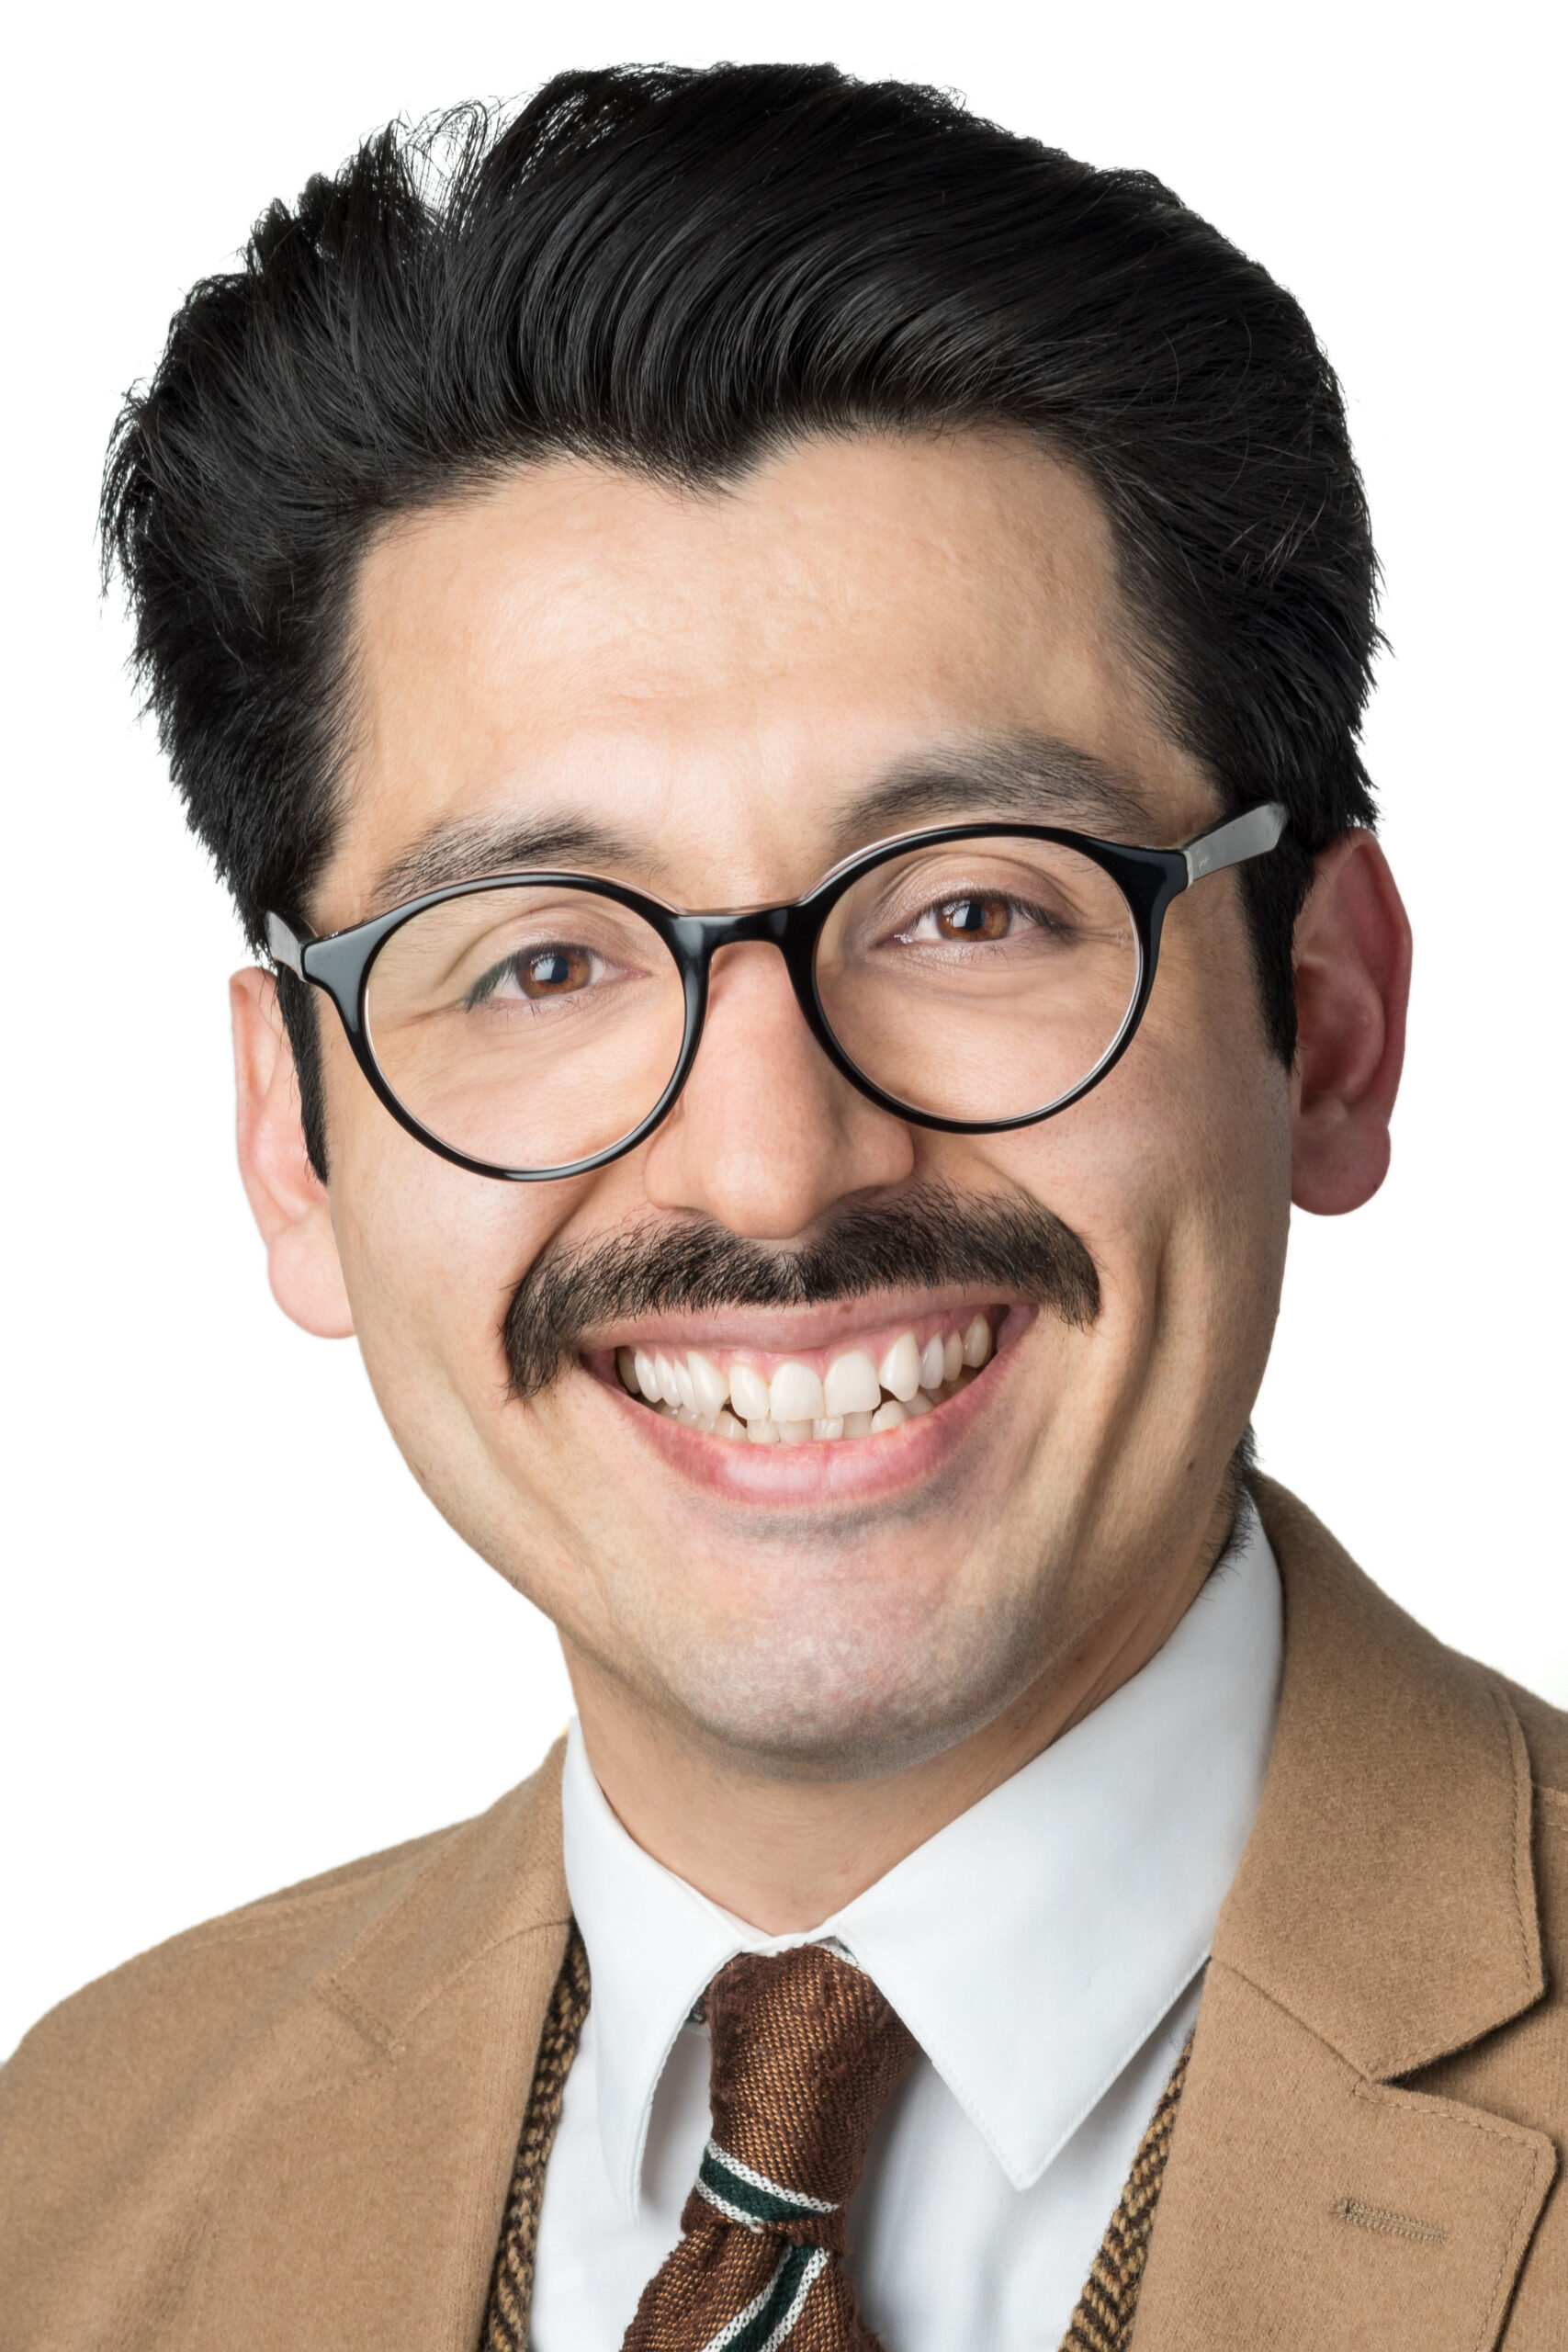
pixel 864 1387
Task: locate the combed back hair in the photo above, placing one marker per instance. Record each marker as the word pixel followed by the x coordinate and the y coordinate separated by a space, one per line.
pixel 679 272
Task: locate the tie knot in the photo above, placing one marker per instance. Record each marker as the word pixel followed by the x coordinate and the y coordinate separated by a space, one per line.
pixel 805 2054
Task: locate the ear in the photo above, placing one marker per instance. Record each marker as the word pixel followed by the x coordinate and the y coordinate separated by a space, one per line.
pixel 1352 956
pixel 288 1198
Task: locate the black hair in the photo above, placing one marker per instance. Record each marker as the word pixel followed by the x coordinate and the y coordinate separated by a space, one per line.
pixel 678 270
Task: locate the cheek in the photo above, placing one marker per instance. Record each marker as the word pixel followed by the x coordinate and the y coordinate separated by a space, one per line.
pixel 1203 1220
pixel 1199 1112
pixel 430 1255
pixel 1175 1173
pixel 1176 1152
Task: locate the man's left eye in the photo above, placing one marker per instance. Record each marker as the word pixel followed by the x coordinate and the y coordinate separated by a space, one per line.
pixel 970 920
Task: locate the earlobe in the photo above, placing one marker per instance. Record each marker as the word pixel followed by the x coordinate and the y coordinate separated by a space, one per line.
pixel 1352 959
pixel 288 1198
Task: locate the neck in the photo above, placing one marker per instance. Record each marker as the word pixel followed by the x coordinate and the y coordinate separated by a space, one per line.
pixel 785 1853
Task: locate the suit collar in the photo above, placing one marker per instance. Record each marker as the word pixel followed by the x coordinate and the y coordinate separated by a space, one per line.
pixel 490 1881
pixel 392 2106
pixel 1386 1897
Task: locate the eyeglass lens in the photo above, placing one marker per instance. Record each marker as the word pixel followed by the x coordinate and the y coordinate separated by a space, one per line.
pixel 979 980
pixel 533 1026
pixel 527 1027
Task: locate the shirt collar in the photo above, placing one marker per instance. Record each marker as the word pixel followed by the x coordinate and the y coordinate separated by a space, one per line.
pixel 1032 1945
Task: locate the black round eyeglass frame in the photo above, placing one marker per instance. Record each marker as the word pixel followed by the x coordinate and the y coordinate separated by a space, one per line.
pixel 340 964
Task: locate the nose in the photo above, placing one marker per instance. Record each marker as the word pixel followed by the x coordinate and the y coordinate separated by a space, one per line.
pixel 767 1136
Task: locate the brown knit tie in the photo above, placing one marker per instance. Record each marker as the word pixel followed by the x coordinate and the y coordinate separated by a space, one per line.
pixel 804 2054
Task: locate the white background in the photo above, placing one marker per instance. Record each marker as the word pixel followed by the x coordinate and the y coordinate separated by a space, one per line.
pixel 237 1646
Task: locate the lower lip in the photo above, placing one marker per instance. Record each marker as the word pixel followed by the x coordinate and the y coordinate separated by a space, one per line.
pixel 838 1469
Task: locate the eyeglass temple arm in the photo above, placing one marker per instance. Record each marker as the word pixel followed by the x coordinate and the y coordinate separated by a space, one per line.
pixel 285 947
pixel 1233 840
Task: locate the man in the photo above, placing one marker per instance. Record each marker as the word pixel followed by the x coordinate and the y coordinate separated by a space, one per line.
pixel 777 671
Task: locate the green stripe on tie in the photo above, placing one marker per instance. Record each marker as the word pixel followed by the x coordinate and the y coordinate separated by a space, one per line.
pixel 767 2323
pixel 728 2186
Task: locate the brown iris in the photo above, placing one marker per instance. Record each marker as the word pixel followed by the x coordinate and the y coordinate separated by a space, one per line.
pixel 554 971
pixel 974 919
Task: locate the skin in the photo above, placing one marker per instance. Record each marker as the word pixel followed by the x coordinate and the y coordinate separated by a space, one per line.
pixel 793 1665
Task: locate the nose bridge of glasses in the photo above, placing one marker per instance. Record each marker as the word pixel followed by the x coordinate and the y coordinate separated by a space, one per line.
pixel 789 927
pixel 702 935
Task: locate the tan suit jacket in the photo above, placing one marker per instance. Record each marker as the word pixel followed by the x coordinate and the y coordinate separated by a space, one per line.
pixel 294 2127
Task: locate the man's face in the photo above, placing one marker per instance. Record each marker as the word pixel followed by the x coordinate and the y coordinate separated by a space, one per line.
pixel 716 696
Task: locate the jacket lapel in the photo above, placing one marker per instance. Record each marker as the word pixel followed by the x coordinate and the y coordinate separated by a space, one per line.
pixel 1384 1915
pixel 372 2193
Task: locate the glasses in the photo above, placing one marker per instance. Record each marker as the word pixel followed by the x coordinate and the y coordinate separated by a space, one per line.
pixel 970 979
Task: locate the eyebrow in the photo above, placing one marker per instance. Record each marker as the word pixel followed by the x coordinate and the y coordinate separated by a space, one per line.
pixel 468 852
pixel 1034 779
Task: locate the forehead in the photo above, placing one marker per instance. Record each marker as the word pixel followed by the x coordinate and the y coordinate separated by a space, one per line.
pixel 704 681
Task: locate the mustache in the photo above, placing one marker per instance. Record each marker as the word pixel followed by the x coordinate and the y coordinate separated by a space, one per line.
pixel 923 1240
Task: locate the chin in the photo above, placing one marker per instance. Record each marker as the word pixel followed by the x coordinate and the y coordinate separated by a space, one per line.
pixel 838 1699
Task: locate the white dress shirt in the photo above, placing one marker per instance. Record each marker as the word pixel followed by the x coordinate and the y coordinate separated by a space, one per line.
pixel 1046 1951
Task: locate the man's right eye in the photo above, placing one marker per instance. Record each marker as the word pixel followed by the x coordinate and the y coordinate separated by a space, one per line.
pixel 537 974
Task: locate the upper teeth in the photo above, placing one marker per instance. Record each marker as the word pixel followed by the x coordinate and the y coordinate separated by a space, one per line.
pixel 899 1370
pixel 851 1385
pixel 846 1399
